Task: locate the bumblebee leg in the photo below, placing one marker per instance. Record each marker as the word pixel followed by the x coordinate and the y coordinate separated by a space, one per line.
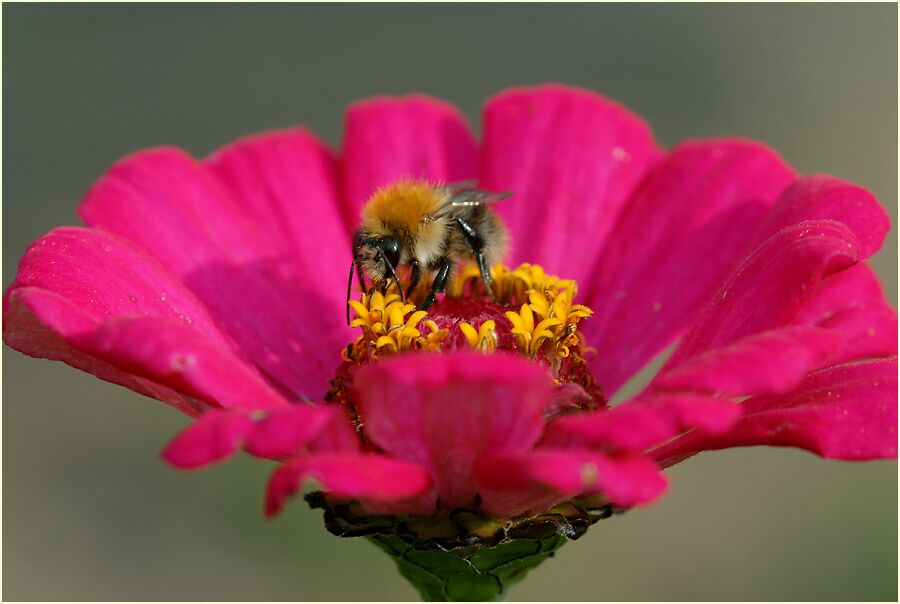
pixel 439 284
pixel 485 271
pixel 414 277
pixel 476 244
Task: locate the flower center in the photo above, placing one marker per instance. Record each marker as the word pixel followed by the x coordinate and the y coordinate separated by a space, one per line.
pixel 531 314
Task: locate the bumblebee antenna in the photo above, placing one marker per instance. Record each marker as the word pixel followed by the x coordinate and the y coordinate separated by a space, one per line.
pixel 349 289
pixel 393 273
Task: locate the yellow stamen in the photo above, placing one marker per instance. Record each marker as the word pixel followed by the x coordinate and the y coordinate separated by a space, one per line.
pixel 390 325
pixel 545 324
pixel 550 299
pixel 485 339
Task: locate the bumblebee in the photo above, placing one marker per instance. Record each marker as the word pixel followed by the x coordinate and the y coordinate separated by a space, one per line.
pixel 430 228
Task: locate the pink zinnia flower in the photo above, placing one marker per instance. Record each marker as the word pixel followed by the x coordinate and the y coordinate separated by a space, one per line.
pixel 218 286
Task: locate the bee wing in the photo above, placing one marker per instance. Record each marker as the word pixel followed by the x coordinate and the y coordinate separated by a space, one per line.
pixel 475 197
pixel 464 194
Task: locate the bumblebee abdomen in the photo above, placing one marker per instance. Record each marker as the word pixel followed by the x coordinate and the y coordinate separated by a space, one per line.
pixel 493 233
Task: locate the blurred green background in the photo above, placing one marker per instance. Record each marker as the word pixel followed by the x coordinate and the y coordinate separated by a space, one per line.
pixel 89 513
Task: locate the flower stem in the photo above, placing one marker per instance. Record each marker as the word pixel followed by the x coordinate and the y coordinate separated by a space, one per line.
pixel 469 573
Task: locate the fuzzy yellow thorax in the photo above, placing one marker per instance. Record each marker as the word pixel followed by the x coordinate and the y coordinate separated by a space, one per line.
pixel 403 204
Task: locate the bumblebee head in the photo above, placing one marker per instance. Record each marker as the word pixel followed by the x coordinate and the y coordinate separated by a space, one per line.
pixel 376 257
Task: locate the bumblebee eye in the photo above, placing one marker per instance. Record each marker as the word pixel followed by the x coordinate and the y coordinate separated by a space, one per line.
pixel 391 249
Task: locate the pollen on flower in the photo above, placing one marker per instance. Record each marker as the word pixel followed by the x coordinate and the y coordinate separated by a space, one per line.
pixel 484 338
pixel 532 313
pixel 590 474
pixel 390 325
pixel 183 362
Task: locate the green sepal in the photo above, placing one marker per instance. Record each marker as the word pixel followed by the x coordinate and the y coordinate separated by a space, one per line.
pixel 460 555
pixel 473 573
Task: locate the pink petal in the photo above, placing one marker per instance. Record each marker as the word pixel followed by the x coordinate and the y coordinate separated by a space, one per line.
pixel 215 436
pixel 705 413
pixel 279 434
pixel 161 351
pixel 41 324
pixel 338 435
pixel 629 427
pixel 771 286
pixel 868 333
pixel 283 432
pixel 173 207
pixel 572 158
pixel 625 481
pixel 350 476
pixel 107 277
pixel 444 412
pixel 389 138
pixel 843 412
pixel 642 423
pixel 286 182
pixel 772 361
pixel 673 245
pixel 178 357
pixel 852 302
pixel 824 197
pixel 73 279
